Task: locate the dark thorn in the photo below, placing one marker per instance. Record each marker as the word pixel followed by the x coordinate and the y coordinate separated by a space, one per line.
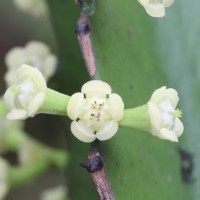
pixel 83 26
pixel 77 119
pixel 107 96
pixel 94 162
pixel 84 95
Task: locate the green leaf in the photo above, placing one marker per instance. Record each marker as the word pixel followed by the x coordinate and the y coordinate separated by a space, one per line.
pixel 137 54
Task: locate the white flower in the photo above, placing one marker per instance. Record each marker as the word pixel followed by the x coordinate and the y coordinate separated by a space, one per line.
pixel 156 8
pixel 57 193
pixel 95 112
pixel 37 8
pixel 36 54
pixel 163 116
pixel 4 176
pixel 25 98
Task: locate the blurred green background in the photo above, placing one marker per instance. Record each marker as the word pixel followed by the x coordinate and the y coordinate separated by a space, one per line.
pixel 136 54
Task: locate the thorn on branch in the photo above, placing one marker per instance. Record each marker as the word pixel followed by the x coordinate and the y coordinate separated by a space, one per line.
pixel 95 165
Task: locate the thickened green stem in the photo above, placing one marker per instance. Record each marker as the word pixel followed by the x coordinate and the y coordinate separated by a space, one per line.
pixel 54 103
pixel 136 118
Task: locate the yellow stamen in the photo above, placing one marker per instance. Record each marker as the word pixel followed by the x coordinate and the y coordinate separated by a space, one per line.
pixel 177 113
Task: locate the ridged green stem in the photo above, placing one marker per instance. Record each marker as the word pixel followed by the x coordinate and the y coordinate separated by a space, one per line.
pixel 54 103
pixel 137 118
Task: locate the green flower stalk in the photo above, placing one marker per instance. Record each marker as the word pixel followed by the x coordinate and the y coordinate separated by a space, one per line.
pixel 54 103
pixel 137 118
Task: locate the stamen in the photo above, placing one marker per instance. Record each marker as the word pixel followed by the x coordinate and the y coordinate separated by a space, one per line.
pixel 177 113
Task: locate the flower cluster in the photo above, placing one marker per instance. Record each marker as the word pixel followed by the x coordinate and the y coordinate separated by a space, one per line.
pixel 26 96
pixel 156 8
pixel 163 116
pixel 95 112
pixel 36 54
pixel 37 8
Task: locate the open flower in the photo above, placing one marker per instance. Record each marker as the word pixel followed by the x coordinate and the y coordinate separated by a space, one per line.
pixel 25 98
pixel 36 54
pixel 156 8
pixel 95 112
pixel 37 8
pixel 165 123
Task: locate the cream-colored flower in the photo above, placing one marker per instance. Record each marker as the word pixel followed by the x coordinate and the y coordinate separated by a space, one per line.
pixel 36 54
pixel 25 98
pixel 163 116
pixel 56 193
pixel 37 8
pixel 156 8
pixel 4 176
pixel 95 112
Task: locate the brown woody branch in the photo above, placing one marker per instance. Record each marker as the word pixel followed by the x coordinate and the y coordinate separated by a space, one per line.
pixel 95 165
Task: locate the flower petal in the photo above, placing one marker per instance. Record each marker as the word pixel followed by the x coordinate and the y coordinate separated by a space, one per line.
pixel 166 134
pixel 26 71
pixel 49 67
pixel 158 94
pixel 155 9
pixel 10 77
pixel 107 131
pixel 75 105
pixel 37 48
pixel 15 57
pixel 178 127
pixel 116 106
pixel 17 114
pixel 9 97
pixel 167 3
pixel 143 2
pixel 154 115
pixel 173 95
pixel 81 132
pixel 35 104
pixel 96 87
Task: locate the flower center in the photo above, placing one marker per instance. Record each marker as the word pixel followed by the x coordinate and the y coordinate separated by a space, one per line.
pixel 96 112
pixel 167 115
pixel 27 91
